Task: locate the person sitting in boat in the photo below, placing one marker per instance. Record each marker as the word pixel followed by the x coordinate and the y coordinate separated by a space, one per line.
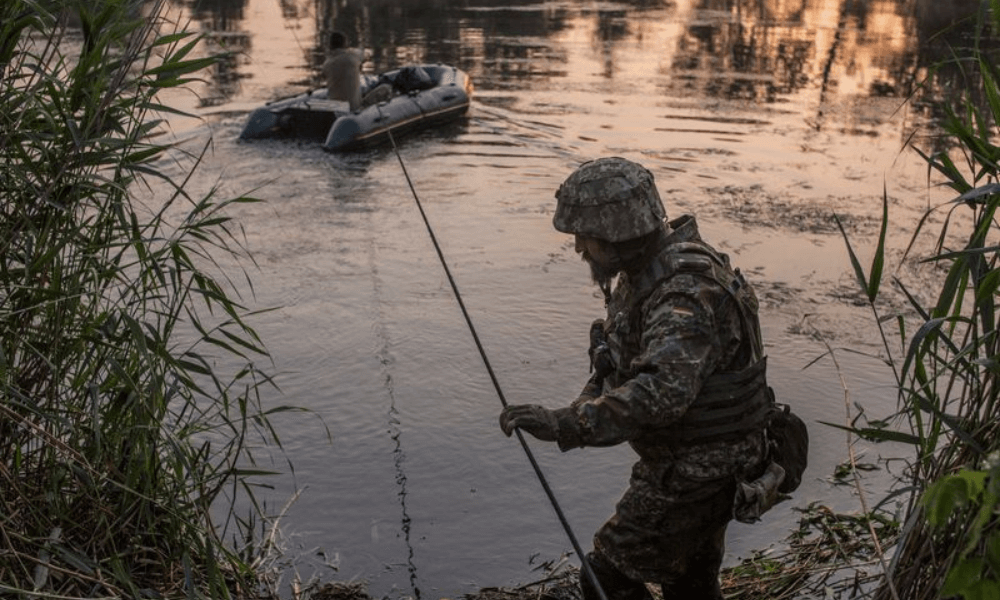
pixel 342 71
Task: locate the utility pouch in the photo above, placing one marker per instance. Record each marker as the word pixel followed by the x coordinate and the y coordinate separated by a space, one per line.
pixel 788 443
pixel 754 498
pixel 788 451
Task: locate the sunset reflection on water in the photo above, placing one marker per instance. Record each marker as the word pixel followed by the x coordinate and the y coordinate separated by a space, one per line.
pixel 760 51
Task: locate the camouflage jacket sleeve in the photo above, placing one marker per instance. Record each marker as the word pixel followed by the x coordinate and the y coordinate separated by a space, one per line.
pixel 690 327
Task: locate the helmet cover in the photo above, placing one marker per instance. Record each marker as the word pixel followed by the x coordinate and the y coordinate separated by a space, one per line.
pixel 613 199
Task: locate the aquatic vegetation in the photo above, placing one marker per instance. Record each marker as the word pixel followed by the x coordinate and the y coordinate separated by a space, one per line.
pixel 130 377
pixel 945 360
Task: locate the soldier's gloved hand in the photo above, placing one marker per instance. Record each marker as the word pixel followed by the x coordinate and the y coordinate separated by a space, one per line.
pixel 536 420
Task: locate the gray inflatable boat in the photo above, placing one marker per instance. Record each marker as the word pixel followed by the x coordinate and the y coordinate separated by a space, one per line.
pixel 424 96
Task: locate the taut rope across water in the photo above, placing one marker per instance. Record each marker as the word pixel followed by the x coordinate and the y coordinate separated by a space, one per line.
pixel 496 383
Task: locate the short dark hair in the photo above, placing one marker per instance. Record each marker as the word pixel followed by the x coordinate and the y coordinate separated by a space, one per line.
pixel 337 40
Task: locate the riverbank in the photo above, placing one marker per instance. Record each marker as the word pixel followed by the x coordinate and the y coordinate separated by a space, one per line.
pixel 830 554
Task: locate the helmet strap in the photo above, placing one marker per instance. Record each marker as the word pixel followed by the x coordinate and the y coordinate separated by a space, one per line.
pixel 606 290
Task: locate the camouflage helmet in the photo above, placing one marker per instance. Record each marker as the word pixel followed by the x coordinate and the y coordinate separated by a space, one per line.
pixel 612 199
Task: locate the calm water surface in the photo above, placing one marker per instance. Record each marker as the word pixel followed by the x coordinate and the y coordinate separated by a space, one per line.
pixel 761 117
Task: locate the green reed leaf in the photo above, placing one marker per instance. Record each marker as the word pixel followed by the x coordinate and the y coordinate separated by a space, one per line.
pixel 859 273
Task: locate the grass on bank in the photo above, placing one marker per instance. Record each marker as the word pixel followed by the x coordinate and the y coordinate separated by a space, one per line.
pixel 123 428
pixel 944 356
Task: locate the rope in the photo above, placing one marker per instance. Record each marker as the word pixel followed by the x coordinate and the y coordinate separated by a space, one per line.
pixel 496 384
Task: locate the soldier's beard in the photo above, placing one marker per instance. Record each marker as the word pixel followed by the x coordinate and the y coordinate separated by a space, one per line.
pixel 601 274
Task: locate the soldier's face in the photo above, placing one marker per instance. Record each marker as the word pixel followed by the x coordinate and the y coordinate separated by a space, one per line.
pixel 601 256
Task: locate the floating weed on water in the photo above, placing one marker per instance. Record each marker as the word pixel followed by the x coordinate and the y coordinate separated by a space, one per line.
pixel 843 474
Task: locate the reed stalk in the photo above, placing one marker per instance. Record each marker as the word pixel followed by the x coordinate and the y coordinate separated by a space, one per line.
pixel 130 376
pixel 946 361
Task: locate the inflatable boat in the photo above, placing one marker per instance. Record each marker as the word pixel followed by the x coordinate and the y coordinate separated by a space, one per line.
pixel 423 96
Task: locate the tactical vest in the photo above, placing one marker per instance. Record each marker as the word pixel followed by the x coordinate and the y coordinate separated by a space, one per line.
pixel 730 404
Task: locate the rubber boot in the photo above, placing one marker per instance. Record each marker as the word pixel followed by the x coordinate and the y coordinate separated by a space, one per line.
pixel 615 584
pixel 701 579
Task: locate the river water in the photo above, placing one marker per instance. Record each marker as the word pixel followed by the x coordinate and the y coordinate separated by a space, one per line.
pixel 761 117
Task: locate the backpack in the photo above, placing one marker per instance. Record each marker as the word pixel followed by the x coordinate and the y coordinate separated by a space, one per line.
pixel 413 79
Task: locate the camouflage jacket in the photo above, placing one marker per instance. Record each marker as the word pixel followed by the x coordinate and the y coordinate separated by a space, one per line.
pixel 669 335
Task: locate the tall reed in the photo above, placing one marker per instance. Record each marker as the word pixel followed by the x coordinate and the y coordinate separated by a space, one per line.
pixel 947 363
pixel 123 428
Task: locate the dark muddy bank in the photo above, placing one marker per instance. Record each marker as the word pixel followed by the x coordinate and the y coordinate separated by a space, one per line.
pixel 830 554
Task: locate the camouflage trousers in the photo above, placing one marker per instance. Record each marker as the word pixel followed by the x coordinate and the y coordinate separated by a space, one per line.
pixel 668 531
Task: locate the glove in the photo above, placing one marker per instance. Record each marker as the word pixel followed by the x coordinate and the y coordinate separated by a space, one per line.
pixel 536 420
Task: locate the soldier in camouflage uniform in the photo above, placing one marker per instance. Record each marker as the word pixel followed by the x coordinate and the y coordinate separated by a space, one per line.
pixel 678 374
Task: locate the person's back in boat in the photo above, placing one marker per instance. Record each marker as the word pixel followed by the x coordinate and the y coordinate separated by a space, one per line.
pixel 342 71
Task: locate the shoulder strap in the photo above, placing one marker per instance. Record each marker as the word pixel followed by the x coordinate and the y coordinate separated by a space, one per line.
pixel 681 257
pixel 698 258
